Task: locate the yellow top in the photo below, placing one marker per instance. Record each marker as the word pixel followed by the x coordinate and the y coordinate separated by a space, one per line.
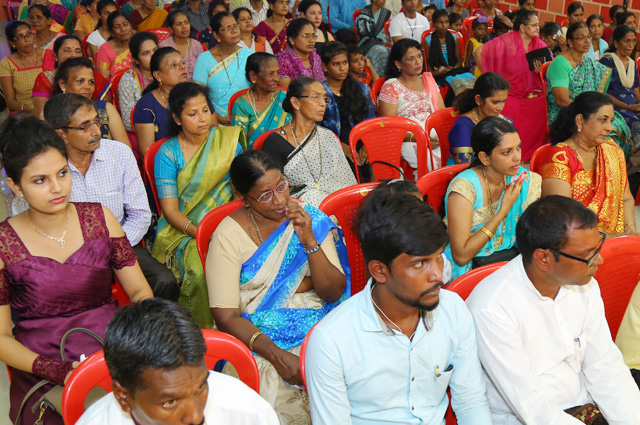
pixel 628 338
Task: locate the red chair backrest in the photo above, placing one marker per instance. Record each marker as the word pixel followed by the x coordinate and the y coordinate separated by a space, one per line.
pixel 344 205
pixel 618 277
pixel 257 145
pixel 543 77
pixel 149 160
pixel 386 32
pixel 376 87
pixel 303 355
pixel 441 121
pixel 434 184
pixel 465 283
pixel 161 33
pixel 115 82
pixel 564 22
pixel 233 98
pixel 383 138
pixel 208 225
pixel 538 157
pixel 118 294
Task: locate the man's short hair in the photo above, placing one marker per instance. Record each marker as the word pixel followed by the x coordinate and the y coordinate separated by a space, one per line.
pixel 152 334
pixel 545 224
pixel 392 224
pixel 59 108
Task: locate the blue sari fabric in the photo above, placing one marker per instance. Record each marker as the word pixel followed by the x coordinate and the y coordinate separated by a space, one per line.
pixel 287 327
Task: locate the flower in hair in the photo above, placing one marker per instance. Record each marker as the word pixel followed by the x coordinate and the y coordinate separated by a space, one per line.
pixel 483 19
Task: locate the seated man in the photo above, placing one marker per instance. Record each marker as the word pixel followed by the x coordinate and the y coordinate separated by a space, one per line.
pixel 543 340
pixel 388 354
pixel 628 338
pixel 155 354
pixel 106 172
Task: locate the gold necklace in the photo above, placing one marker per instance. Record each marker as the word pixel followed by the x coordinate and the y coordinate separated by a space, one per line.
pixel 164 99
pixel 577 152
pixel 224 64
pixel 486 181
pixel 295 139
pixel 252 101
pixel 60 240
pixel 475 116
pixel 255 226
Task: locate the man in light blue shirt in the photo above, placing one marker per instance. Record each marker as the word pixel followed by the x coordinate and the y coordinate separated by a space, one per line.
pixel 389 353
pixel 341 19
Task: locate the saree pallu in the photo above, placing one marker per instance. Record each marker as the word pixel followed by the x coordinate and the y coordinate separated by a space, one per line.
pixel 272 116
pixel 277 41
pixel 202 185
pixel 468 185
pixel 370 28
pixel 154 20
pixel 107 60
pixel 600 189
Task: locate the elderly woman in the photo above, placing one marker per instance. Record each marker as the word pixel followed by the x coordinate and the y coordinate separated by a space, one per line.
pixel 274 269
pixel 586 165
pixel 189 48
pixel 148 16
pixel 300 59
pixel 114 55
pixel 40 19
pixel 222 68
pixel 192 177
pixel 260 109
pixel 313 158
pixel 18 72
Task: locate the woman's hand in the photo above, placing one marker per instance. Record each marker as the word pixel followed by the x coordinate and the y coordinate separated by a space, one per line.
pixel 288 367
pixel 511 194
pixel 302 224
pixel 635 108
pixel 562 42
pixel 367 63
pixel 363 156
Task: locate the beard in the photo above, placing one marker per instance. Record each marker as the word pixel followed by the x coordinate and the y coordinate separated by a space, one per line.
pixel 419 304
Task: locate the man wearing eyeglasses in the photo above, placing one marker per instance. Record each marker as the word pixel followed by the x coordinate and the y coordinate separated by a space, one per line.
pixel 106 172
pixel 543 340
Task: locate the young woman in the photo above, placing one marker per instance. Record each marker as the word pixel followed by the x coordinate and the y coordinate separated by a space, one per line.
pixel 455 21
pixel 372 39
pixel 596 29
pixel 114 55
pixel 87 22
pixel 18 72
pixel 300 57
pixel 575 13
pixel 274 28
pixel 312 10
pixel 205 36
pixel 81 244
pixel 247 37
pixel 40 19
pixel 459 7
pixel 148 16
pixel 101 34
pixel 152 114
pixel 189 48
pixel 484 202
pixel 473 57
pixel 192 177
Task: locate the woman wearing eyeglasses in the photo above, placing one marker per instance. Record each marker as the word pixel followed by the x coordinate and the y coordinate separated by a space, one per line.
pixel 312 155
pixel 18 72
pixel 586 165
pixel 273 271
pixel 300 59
pixel 192 177
pixel 222 68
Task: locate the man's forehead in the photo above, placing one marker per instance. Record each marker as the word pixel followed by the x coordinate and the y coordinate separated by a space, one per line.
pixel 83 114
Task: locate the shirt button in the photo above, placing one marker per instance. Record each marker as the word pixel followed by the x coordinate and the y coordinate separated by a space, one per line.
pixel 413 378
pixel 412 408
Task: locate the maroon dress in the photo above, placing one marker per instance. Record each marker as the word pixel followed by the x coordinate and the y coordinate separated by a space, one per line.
pixel 49 298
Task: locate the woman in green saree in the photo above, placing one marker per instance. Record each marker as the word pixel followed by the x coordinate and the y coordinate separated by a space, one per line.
pixel 192 177
pixel 260 109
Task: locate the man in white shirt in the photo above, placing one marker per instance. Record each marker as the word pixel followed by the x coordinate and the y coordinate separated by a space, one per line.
pixel 408 24
pixel 155 353
pixel 258 9
pixel 543 339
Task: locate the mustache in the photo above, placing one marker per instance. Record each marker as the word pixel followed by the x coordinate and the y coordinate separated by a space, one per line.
pixel 95 139
pixel 437 285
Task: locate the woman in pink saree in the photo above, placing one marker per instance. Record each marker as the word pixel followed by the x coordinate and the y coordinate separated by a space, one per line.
pixel 525 104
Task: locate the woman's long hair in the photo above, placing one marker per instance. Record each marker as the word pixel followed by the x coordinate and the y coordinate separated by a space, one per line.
pixel 486 85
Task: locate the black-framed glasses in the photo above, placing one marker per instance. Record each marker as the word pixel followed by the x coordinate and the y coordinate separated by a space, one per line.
pixel 267 196
pixel 87 126
pixel 317 97
pixel 588 261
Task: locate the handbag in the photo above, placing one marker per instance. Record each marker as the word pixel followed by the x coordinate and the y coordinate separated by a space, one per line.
pixel 53 398
pixel 497 257
pixel 588 413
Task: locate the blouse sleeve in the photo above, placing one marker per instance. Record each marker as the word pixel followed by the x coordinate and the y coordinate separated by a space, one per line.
pixel 556 164
pixel 128 94
pixel 143 113
pixel 201 69
pixel 558 72
pixel 5 68
pixel 4 287
pixel 389 93
pixel 240 115
pixel 103 58
pixel 460 142
pixel 224 263
pixel 166 174
pixel 464 188
pixel 123 254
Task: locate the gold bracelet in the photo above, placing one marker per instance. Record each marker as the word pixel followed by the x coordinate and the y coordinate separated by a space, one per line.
pixel 253 338
pixel 186 226
pixel 486 232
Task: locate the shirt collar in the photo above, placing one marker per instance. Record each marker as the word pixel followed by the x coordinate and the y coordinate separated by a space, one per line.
pixel 531 289
pixel 97 155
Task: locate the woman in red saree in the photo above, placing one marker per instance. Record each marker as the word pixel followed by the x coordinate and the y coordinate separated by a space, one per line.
pixel 525 104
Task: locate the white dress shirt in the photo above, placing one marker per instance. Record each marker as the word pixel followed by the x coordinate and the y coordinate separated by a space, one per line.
pixel 541 356
pixel 409 27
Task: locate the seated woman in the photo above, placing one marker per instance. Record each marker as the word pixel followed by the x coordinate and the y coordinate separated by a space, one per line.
pixel 623 87
pixel 134 81
pixel 101 34
pixel 300 58
pixel 575 13
pixel 488 9
pixel 274 28
pixel 312 10
pixel 76 75
pixel 409 93
pixel 87 22
pixel 372 39
pixel 459 7
pixel 205 36
pixel 552 36
pixel 151 117
pixel 54 241
pixel 598 46
pixel 40 19
pixel 189 48
pixel 473 58
pixel 192 178
pixel 586 165
pixel 148 16
pixel 222 68
pixel 350 100
pixel 313 160
pixel 268 301
pixel 481 224
pixel 247 37
pixel 114 55
pixel 486 99
pixel 65 47
pixel 260 109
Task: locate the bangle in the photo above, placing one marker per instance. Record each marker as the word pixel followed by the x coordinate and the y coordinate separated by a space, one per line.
pixel 186 226
pixel 311 251
pixel 486 232
pixel 253 338
pixel 22 106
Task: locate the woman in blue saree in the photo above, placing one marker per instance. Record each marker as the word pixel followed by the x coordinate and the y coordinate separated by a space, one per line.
pixel 192 177
pixel 484 202
pixel 274 269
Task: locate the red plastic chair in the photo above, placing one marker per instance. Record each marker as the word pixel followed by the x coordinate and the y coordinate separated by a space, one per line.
pixel 344 205
pixel 543 77
pixel 465 283
pixel 618 276
pixel 303 355
pixel 538 157
pixel 386 32
pixel 115 82
pixel 234 97
pixel 149 160
pixel 434 184
pixel 383 137
pixel 118 294
pixel 161 33
pixel 257 145
pixel 355 16
pixel 208 225
pixel 376 87
pixel 441 121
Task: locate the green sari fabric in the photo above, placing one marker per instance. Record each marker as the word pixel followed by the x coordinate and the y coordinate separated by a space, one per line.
pixel 273 116
pixel 203 184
